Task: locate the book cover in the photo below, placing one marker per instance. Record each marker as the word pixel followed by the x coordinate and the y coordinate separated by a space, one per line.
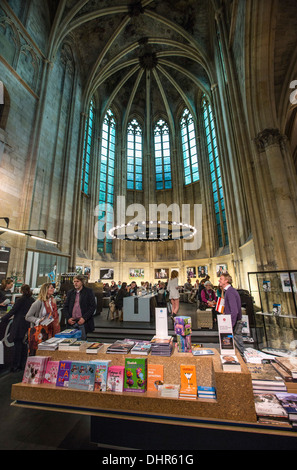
pixel 289 364
pixel 288 401
pixel 263 373
pixel 141 347
pixel 155 377
pixel 35 370
pixel 66 343
pixel 120 347
pixel 51 373
pixel 135 374
pixel 206 392
pixel 266 404
pixel 230 363
pixel 63 374
pixel 94 348
pixel 115 379
pixel 101 375
pixel 188 380
pixel 202 352
pixel 82 376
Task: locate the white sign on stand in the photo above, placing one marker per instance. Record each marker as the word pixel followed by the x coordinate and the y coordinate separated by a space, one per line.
pixel 226 335
pixel 161 323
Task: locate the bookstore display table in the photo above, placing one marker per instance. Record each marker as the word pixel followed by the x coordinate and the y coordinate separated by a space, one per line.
pixel 148 421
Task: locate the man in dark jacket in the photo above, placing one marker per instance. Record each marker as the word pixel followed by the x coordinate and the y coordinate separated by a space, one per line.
pixel 233 308
pixel 80 306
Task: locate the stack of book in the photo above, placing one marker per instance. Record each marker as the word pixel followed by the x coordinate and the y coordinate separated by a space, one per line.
pixel 169 390
pixel 287 369
pixel 207 392
pixel 69 333
pixel 162 346
pixel 188 388
pixel 120 347
pixel 269 410
pixel 230 363
pixel 94 348
pixel 50 344
pixel 265 379
pixel 71 344
pixel 289 403
pixel 142 348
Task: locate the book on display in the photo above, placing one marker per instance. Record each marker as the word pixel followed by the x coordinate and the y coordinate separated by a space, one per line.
pixel 202 352
pixel 169 390
pixel 289 403
pixel 65 344
pixel 34 370
pixel 51 372
pixel 135 375
pixel 101 375
pixel 82 376
pixel 266 404
pixel 50 344
pixel 188 381
pixel 155 377
pixel 266 378
pixel 289 364
pixel 142 348
pixel 206 392
pixel 63 374
pixel 230 363
pixel 94 348
pixel 162 346
pixel 115 379
pixel 120 347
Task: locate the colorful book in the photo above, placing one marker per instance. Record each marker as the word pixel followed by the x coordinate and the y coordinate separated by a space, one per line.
pixel 35 370
pixel 202 352
pixel 115 379
pixel 188 379
pixel 101 375
pixel 141 347
pixel 155 377
pixel 63 374
pixel 135 375
pixel 51 373
pixel 206 392
pixel 82 376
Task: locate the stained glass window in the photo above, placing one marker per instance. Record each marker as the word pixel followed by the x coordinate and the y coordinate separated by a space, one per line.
pixel 189 148
pixel 215 173
pixel 85 176
pixel 106 184
pixel 162 156
pixel 134 156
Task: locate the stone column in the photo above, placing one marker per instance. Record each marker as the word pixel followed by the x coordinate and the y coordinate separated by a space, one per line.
pixel 282 195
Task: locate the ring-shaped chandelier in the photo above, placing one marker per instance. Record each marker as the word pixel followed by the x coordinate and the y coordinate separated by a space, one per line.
pixel 152 231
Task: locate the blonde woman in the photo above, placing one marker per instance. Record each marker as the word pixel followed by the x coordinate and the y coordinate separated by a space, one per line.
pixel 43 315
pixel 172 288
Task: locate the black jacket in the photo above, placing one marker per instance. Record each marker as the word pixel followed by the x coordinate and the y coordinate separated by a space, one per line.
pixel 19 325
pixel 87 305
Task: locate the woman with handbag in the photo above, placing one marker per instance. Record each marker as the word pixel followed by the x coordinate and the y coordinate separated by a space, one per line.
pixel 44 318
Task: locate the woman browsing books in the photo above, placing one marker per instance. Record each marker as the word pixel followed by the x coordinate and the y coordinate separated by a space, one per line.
pixel 43 316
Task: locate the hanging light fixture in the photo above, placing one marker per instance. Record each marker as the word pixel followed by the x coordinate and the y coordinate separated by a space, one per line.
pixel 152 231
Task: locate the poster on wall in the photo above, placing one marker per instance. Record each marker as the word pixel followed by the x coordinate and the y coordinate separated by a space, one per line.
pixel 161 273
pixel 221 269
pixel 191 272
pixel 136 273
pixel 286 282
pixel 202 271
pixel 106 274
pixel 78 269
pixel 87 271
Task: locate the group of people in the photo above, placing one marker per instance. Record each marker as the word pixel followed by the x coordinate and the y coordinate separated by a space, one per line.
pixel 36 320
pixel 207 298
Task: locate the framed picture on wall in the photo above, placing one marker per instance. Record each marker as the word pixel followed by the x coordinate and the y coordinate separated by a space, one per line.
pixel 161 273
pixel 191 272
pixel 106 274
pixel 136 273
pixel 221 268
pixel 202 271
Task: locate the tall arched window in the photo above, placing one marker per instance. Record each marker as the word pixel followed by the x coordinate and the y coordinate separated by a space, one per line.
pixel 87 150
pixel 162 156
pixel 106 190
pixel 134 156
pixel 189 148
pixel 215 173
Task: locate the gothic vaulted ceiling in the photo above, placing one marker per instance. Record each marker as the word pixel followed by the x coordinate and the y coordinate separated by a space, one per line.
pixel 140 54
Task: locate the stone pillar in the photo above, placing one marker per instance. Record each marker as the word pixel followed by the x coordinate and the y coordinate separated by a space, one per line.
pixel 282 195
